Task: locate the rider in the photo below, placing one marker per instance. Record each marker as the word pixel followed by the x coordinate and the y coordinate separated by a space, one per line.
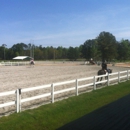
pixel 91 61
pixel 104 66
pixel 32 61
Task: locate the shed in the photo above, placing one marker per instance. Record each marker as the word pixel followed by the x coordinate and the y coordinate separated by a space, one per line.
pixel 21 57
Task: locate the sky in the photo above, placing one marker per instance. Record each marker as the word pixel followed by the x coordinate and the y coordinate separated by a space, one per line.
pixel 62 22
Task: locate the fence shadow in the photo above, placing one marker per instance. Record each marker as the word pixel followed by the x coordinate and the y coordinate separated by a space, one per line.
pixel 114 116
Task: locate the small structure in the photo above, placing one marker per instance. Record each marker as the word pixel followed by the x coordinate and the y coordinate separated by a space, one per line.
pixel 22 58
pixel 19 62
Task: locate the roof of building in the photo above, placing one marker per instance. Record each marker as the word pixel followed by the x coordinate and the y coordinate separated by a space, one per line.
pixel 22 57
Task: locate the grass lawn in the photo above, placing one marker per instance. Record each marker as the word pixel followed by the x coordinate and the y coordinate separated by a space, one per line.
pixel 53 116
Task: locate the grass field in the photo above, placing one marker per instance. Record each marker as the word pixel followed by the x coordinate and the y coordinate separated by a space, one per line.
pixel 53 116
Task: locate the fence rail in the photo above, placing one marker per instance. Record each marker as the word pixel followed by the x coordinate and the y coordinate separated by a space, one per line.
pixel 75 88
pixel 14 63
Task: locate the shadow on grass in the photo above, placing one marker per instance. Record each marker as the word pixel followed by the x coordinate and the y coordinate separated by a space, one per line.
pixel 114 116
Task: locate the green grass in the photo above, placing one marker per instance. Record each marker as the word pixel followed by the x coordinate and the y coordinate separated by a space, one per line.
pixel 53 116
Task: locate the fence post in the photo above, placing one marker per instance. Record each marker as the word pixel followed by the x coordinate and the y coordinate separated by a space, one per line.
pixel 118 77
pixel 127 74
pixel 108 79
pixel 52 92
pixel 17 100
pixel 94 84
pixel 77 87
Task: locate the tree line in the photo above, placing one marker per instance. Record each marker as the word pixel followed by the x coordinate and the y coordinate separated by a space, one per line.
pixel 103 47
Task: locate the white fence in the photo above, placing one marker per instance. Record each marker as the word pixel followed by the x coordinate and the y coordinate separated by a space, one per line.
pixel 14 63
pixel 117 78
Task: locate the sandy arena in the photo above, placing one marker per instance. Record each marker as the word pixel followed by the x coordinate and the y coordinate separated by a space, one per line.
pixel 13 77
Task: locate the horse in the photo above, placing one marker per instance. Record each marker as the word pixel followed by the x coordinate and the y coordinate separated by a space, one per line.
pixel 91 62
pixel 103 72
pixel 31 63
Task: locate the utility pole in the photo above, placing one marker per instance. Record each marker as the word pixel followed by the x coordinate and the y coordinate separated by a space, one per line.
pixel 29 48
pixel 4 45
pixel 54 55
pixel 32 48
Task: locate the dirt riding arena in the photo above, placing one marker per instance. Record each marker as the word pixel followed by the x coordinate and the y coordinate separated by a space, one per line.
pixel 43 73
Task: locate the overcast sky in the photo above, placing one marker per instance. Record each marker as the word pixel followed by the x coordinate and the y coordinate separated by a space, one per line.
pixel 62 22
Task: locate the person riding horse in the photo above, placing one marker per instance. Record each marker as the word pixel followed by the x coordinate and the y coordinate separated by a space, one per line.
pixel 103 71
pixel 32 62
pixel 104 66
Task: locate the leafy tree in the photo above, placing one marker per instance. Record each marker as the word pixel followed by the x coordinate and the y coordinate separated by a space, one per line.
pixel 30 50
pixel 39 54
pixel 64 53
pixel 107 45
pixel 10 54
pixel 50 52
pixel 124 50
pixel 1 53
pixel 59 52
pixel 45 53
pixel 73 53
pixel 20 48
pixel 104 47
pixel 95 53
pixel 89 49
pixel 16 53
pixel 4 51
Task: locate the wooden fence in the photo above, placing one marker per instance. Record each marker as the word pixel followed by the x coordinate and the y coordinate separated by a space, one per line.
pixel 117 78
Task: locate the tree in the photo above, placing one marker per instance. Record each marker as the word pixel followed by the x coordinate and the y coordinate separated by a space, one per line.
pixel 30 50
pixel 1 52
pixel 89 49
pixel 107 45
pixel 124 50
pixel 10 54
pixel 21 48
pixel 4 45
pixel 73 53
pixel 59 52
pixel 64 53
pixel 39 54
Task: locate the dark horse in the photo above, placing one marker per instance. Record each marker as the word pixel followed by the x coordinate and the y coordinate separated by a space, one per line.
pixel 103 72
